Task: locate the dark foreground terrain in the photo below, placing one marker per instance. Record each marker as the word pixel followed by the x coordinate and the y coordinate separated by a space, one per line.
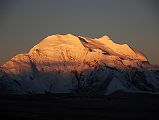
pixel 76 107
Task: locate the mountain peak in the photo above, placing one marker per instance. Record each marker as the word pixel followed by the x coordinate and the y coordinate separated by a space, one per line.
pixel 65 63
pixel 80 44
pixel 105 37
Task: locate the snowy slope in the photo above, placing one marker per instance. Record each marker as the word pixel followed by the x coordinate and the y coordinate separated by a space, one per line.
pixel 68 63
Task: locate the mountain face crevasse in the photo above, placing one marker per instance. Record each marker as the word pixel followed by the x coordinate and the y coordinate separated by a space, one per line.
pixel 77 64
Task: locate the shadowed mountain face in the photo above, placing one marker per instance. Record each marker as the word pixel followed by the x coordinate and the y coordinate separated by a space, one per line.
pixel 76 64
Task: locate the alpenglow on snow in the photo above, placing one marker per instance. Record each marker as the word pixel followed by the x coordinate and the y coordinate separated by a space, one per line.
pixel 77 64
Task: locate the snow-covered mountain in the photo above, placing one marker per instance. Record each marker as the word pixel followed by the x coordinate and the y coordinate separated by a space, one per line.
pixel 76 64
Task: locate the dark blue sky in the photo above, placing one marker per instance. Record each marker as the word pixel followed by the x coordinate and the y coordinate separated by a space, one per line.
pixel 23 23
